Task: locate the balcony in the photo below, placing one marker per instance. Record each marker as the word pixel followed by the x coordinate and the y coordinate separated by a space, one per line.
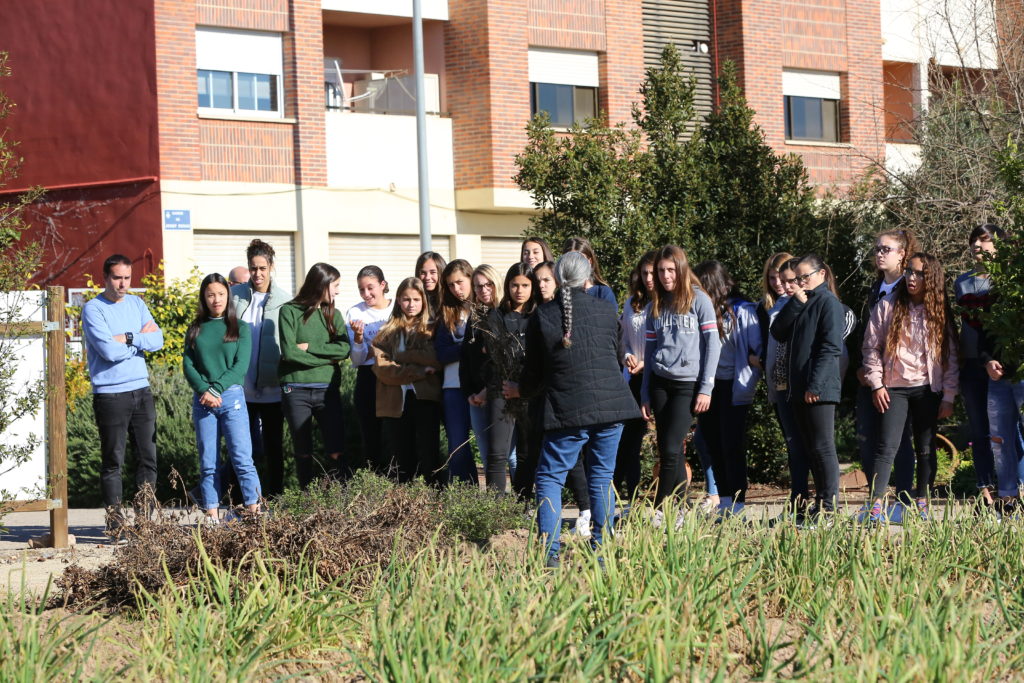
pixel 371 152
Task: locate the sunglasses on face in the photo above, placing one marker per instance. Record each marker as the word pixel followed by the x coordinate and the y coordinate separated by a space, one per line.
pixel 910 272
pixel 802 279
pixel 789 281
pixel 884 250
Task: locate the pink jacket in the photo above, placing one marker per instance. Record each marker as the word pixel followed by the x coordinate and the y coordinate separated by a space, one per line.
pixel 878 368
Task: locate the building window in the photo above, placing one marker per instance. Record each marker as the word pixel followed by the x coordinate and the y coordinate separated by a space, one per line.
pixel 565 104
pixel 812 118
pixel 239 71
pixel 811 106
pixel 564 84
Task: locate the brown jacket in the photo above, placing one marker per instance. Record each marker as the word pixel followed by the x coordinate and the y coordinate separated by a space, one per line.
pixel 395 368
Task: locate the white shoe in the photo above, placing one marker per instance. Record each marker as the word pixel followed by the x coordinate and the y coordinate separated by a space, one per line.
pixel 707 506
pixel 583 524
pixel 680 519
pixel 658 519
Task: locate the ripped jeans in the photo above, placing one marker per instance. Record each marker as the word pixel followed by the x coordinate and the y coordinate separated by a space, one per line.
pixel 1005 400
pixel 232 420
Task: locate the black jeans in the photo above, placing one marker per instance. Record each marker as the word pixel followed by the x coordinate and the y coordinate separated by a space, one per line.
pixel 672 403
pixel 412 443
pixel 301 405
pixel 627 461
pixel 816 423
pixel 365 399
pixel 923 406
pixel 128 414
pixel 724 427
pixel 266 424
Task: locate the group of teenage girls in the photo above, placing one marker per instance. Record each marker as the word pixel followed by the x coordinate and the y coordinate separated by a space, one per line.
pixel 443 347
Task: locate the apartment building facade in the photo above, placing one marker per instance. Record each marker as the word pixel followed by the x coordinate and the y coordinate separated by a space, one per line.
pixel 178 130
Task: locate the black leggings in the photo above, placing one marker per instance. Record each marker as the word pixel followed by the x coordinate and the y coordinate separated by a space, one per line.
pixel 923 406
pixel 724 428
pixel 627 461
pixel 365 400
pixel 672 402
pixel 816 424
pixel 412 443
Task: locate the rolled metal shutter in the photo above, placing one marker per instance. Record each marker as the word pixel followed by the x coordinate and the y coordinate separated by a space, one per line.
pixel 394 254
pixel 221 250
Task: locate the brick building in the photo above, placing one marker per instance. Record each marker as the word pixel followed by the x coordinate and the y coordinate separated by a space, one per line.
pixel 200 124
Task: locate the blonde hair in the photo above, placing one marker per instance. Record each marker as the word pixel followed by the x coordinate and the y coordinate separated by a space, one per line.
pixel 418 326
pixel 491 274
pixel 773 264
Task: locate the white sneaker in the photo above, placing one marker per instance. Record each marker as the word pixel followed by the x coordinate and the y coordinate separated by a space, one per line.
pixel 583 524
pixel 707 506
pixel 680 519
pixel 658 519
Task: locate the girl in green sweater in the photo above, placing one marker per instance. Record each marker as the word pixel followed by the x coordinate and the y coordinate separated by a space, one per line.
pixel 215 361
pixel 314 342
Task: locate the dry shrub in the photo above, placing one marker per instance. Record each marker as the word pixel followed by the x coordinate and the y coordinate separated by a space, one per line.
pixel 353 539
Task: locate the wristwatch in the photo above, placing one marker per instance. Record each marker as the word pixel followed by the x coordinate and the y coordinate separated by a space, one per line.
pixel 128 338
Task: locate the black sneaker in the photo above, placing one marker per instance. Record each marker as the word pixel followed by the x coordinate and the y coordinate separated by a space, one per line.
pixel 817 517
pixel 552 562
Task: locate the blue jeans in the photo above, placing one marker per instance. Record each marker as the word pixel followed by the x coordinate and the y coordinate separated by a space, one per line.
pixel 705 461
pixel 456 425
pixel 1005 400
pixel 232 420
pixel 869 428
pixel 974 388
pixel 481 420
pixel 799 463
pixel 558 455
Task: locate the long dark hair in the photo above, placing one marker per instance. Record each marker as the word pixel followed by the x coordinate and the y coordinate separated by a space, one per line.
pixel 720 287
pixel 582 245
pixel 434 297
pixel 517 270
pixel 938 316
pixel 452 309
pixel 203 312
pixel 637 289
pixel 311 296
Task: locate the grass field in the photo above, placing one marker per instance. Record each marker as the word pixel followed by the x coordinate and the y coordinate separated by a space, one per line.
pixel 936 601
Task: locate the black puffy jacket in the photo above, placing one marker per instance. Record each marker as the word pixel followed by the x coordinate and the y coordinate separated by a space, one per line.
pixel 581 385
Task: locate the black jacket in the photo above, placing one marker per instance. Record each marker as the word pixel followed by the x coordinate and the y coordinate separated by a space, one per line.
pixel 814 332
pixel 477 369
pixel 581 385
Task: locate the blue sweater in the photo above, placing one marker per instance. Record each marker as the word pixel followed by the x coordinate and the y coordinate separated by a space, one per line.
pixel 115 367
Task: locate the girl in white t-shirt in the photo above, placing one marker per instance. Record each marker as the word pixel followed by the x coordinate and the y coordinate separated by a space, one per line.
pixel 364 320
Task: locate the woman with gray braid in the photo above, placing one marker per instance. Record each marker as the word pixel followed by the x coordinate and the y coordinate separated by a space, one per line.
pixel 572 363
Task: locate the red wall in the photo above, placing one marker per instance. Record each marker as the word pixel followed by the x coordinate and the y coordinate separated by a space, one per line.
pixel 83 79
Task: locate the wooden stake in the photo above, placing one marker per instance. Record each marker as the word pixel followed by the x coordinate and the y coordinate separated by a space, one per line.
pixel 56 418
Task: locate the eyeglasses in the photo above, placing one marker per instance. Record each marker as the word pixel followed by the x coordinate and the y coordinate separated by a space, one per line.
pixel 789 281
pixel 910 272
pixel 884 250
pixel 802 279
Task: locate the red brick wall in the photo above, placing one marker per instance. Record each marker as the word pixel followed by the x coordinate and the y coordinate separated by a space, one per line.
pixel 257 15
pixel 242 151
pixel 486 45
pixel 622 64
pixel 569 24
pixel 765 36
